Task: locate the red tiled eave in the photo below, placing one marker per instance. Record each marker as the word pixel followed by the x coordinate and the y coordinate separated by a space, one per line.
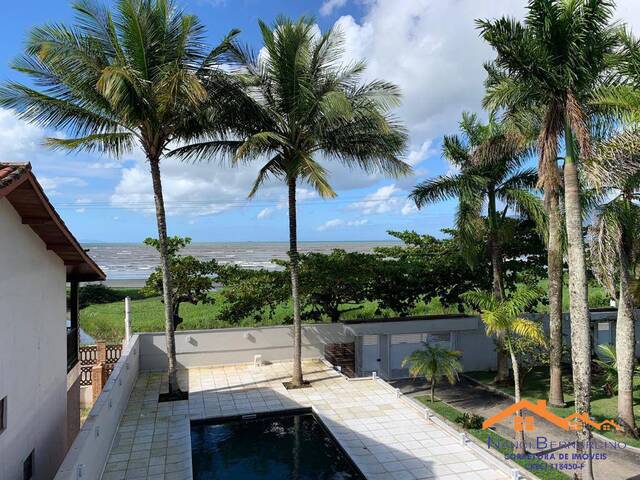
pixel 21 189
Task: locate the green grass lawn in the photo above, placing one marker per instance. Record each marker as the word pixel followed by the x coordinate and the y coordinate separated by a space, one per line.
pixel 536 466
pixel 106 321
pixel 536 387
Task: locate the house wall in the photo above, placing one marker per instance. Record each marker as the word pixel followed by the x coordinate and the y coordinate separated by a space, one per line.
pixel 33 365
pixel 237 345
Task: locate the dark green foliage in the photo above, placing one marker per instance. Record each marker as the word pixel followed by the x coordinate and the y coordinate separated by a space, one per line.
pixel 335 283
pixel 97 294
pixel 470 421
pixel 252 293
pixel 191 279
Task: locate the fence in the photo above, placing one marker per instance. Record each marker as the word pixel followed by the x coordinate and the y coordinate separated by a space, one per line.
pixel 89 358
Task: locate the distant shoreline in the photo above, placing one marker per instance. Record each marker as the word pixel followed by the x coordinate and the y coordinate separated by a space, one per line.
pixel 125 283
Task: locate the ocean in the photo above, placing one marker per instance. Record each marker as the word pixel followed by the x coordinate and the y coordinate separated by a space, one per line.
pixel 133 262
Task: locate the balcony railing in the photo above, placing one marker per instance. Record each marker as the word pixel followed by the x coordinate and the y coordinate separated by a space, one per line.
pixel 72 348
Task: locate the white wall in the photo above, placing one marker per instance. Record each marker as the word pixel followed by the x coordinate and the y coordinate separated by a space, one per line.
pixel 237 345
pixel 33 360
pixel 88 454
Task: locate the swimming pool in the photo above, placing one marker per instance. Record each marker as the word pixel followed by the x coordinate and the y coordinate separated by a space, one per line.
pixel 291 446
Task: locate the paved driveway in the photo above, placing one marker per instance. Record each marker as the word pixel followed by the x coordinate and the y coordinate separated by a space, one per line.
pixel 468 397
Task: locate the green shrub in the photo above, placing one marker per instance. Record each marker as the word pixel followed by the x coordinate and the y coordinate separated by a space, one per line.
pixel 470 421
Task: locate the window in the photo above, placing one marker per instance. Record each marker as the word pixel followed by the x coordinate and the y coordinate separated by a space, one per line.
pixel 370 340
pixel 405 338
pixel 443 339
pixel 27 467
pixel 3 414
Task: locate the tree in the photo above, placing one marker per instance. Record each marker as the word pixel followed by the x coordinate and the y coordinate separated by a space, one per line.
pixel 301 103
pixel 433 363
pixel 114 81
pixel 481 183
pixel 615 252
pixel 503 317
pixel 251 293
pixel 551 63
pixel 329 283
pixel 192 279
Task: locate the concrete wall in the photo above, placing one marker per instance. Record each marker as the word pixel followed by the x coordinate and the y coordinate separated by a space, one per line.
pixel 33 360
pixel 237 345
pixel 478 350
pixel 88 454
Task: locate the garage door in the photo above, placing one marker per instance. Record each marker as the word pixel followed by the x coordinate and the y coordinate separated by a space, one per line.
pixel 405 344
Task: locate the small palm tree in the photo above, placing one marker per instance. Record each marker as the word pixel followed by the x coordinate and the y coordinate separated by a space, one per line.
pixel 609 367
pixel 301 106
pixel 116 81
pixel 504 317
pixel 490 158
pixel 433 363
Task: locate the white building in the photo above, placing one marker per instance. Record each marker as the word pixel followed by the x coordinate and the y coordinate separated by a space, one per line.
pixel 39 370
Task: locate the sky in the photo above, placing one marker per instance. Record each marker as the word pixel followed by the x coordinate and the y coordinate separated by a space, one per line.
pixel 429 48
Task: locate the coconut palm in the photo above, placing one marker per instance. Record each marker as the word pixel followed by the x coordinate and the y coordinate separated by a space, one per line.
pixel 115 81
pixel 552 62
pixel 303 108
pixel 615 252
pixel 504 317
pixel 479 185
pixel 433 363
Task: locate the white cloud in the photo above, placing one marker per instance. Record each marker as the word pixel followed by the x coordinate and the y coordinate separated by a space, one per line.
pixel 54 186
pixel 387 199
pixel 408 208
pixel 417 155
pixel 337 222
pixel 200 189
pixel 431 49
pixel 383 200
pixel 264 213
pixel 329 5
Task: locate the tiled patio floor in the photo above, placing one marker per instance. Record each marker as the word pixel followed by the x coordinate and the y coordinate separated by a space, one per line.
pixel 386 438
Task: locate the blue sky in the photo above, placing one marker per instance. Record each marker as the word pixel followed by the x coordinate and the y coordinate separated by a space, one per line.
pixel 428 47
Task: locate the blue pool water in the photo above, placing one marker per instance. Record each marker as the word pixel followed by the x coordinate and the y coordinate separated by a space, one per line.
pixel 287 447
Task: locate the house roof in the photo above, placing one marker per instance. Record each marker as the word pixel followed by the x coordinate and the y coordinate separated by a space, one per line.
pixel 20 187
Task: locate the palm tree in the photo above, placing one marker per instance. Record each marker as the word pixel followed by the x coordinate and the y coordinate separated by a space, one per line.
pixel 433 363
pixel 114 81
pixel 301 104
pixel 551 63
pixel 497 177
pixel 503 317
pixel 615 253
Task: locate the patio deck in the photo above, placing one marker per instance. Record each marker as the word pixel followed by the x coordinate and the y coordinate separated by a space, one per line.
pixel 386 438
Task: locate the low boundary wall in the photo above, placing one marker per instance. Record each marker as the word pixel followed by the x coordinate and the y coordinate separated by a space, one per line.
pixel 196 348
pixel 88 454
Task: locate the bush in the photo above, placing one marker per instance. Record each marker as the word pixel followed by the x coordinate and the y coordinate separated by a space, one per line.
pixel 470 421
pixel 96 294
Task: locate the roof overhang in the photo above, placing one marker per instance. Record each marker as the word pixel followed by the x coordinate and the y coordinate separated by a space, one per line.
pixel 413 326
pixel 20 187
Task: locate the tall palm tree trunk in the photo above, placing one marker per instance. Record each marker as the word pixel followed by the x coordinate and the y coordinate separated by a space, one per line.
pixel 520 440
pixel 579 307
pixel 555 276
pixel 296 377
pixel 154 162
pixel 433 389
pixel 502 362
pixel 625 347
